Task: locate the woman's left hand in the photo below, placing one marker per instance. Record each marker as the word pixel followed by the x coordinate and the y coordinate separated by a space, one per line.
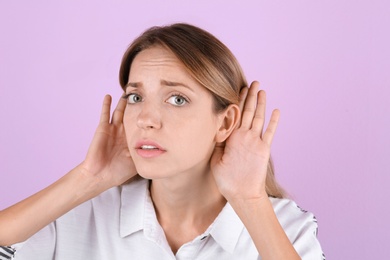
pixel 240 165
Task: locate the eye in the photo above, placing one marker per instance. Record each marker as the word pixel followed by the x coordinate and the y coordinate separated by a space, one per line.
pixel 177 100
pixel 133 98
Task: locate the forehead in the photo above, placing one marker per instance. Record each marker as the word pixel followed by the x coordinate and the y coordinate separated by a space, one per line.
pixel 157 57
pixel 159 64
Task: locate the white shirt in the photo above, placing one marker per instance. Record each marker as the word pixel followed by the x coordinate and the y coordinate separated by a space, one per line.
pixel 121 223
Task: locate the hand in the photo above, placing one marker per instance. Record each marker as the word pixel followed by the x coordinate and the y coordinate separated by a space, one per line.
pixel 108 157
pixel 240 166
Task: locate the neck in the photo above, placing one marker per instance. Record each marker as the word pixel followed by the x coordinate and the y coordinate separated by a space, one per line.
pixel 186 206
pixel 186 198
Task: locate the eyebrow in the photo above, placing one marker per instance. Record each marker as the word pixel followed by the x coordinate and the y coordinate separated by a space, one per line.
pixel 162 82
pixel 133 84
pixel 175 84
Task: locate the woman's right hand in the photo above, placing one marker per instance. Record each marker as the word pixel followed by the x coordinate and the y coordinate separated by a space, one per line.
pixel 108 164
pixel 108 159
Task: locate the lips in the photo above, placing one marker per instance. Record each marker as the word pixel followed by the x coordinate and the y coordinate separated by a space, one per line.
pixel 149 149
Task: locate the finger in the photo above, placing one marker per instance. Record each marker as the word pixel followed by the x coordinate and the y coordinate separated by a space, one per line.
pixel 117 117
pixel 259 117
pixel 105 114
pixel 250 106
pixel 243 94
pixel 271 129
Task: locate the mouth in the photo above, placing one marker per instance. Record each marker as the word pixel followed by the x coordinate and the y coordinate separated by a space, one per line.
pixel 148 145
pixel 147 149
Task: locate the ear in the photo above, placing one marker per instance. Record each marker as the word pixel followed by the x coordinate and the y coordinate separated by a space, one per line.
pixel 227 120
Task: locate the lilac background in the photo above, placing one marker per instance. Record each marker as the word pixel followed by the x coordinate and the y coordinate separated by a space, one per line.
pixel 325 64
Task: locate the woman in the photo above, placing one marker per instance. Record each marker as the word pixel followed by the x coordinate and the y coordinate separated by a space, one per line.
pixel 181 171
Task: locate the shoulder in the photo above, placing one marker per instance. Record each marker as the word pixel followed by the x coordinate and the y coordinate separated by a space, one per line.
pixel 301 227
pixel 96 220
pixel 289 213
pixel 293 218
pixel 109 203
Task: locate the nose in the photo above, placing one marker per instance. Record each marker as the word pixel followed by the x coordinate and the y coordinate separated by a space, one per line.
pixel 149 116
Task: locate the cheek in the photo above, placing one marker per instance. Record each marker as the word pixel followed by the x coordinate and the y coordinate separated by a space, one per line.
pixel 129 125
pixel 129 118
pixel 197 137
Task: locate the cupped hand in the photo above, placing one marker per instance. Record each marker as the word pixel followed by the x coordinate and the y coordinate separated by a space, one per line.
pixel 108 158
pixel 240 165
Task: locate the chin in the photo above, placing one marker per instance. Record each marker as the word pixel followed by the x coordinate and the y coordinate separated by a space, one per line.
pixel 150 173
pixel 146 176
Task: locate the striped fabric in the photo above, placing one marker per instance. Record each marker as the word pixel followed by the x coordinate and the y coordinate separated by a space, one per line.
pixel 6 253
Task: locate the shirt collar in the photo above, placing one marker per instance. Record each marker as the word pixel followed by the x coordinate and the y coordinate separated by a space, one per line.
pixel 133 201
pixel 227 228
pixel 135 204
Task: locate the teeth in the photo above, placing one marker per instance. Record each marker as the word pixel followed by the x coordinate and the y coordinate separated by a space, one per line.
pixel 148 147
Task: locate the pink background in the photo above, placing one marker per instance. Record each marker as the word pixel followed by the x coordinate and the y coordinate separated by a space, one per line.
pixel 325 64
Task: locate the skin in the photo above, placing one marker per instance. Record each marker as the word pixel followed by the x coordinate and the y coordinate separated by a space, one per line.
pixel 157 78
pixel 182 188
pixel 228 162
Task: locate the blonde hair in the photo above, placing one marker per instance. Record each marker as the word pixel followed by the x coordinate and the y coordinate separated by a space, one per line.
pixel 207 60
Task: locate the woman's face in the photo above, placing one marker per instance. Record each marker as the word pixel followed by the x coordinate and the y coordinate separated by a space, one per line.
pixel 169 121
